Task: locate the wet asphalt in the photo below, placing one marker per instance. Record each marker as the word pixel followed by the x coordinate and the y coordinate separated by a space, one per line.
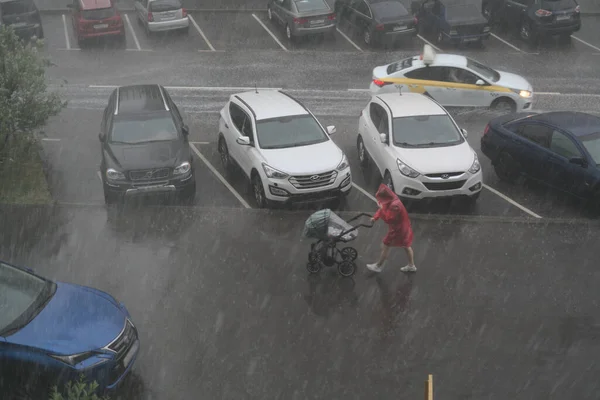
pixel 504 304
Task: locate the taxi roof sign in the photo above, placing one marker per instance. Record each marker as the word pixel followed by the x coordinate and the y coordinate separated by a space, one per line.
pixel 428 55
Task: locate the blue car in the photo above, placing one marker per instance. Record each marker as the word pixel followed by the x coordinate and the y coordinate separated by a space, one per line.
pixel 560 149
pixel 51 332
pixel 452 21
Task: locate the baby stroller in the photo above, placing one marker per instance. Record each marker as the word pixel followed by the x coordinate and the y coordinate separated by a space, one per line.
pixel 330 230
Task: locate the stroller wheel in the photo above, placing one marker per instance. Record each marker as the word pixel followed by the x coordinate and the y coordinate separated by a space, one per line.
pixel 314 257
pixel 347 268
pixel 349 253
pixel 313 267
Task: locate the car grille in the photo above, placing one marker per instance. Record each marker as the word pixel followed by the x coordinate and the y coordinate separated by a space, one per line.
pixel 444 175
pixel 149 174
pixel 313 181
pixel 121 346
pixel 444 185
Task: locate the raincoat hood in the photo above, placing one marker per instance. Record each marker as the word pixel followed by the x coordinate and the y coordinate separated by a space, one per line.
pixel 385 195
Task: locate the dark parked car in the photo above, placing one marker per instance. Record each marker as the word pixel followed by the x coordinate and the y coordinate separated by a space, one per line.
pixel 51 332
pixel 452 21
pixel 560 149
pixel 23 16
pixel 145 148
pixel 535 19
pixel 302 17
pixel 377 21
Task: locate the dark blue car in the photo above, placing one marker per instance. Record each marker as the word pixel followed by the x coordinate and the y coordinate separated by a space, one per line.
pixel 51 332
pixel 452 21
pixel 560 149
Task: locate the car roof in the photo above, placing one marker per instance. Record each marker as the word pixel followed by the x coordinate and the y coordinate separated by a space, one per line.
pixel 271 104
pixel 411 104
pixel 578 123
pixel 134 99
pixel 441 60
pixel 95 4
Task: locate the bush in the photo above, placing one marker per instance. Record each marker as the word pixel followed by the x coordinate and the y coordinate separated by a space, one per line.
pixel 80 390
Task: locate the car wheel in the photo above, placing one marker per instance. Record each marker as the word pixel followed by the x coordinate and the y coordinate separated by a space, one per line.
pixel 269 13
pixel 40 33
pixel 258 190
pixel 440 37
pixel 363 156
pixel 487 12
pixel 527 33
pixel 288 33
pixel 224 155
pixel 189 194
pixel 506 168
pixel 388 181
pixel 367 37
pixel 504 105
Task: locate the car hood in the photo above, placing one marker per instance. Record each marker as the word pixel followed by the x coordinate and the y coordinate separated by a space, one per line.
pixel 147 155
pixel 75 320
pixel 513 81
pixel 305 160
pixel 437 160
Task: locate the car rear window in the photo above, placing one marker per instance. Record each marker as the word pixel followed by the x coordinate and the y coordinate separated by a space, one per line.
pixel 463 11
pixel 311 5
pixel 165 5
pixel 16 7
pixel 143 129
pixel 556 5
pixel 389 10
pixel 98 14
pixel 399 65
pixel 592 145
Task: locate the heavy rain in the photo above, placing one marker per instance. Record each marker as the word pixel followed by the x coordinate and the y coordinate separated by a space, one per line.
pixel 192 199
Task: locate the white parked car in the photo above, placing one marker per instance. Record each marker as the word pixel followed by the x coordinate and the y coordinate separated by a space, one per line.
pixel 282 149
pixel 417 147
pixel 454 81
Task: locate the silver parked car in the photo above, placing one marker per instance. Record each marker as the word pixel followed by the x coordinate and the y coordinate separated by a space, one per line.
pixel 303 17
pixel 162 15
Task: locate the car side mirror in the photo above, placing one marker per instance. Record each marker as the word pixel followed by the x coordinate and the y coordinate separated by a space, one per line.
pixel 464 132
pixel 243 141
pixel 578 161
pixel 480 82
pixel 331 129
pixel 383 137
pixel 185 129
pixel 101 137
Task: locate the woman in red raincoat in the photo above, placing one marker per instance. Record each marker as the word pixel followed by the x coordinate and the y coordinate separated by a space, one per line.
pixel 400 234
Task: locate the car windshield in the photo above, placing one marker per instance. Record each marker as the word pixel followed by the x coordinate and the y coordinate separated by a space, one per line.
pixel 483 70
pixel 425 131
pixel 98 14
pixel 388 10
pixel 142 129
pixel 592 145
pixel 463 12
pixel 16 7
pixel 557 5
pixel 311 5
pixel 165 5
pixel 21 295
pixel 294 131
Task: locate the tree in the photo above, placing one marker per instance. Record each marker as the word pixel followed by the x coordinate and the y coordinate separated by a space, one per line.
pixel 80 390
pixel 25 103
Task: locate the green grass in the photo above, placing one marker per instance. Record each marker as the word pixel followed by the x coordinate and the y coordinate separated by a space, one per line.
pixel 22 178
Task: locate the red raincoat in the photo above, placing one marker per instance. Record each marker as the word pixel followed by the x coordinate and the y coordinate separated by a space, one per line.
pixel 393 213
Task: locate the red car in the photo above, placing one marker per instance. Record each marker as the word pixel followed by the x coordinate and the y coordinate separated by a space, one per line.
pixel 96 18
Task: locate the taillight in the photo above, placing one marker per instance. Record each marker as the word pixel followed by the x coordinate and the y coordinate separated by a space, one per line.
pixel 577 9
pixel 487 128
pixel 543 13
pixel 416 20
pixel 300 21
pixel 380 83
pixel 331 17
pixel 150 17
pixel 379 27
pixel 184 12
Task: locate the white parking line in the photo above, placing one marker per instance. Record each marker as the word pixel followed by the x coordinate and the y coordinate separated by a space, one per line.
pixel 210 46
pixel 218 175
pixel 429 43
pixel 363 191
pixel 67 41
pixel 50 140
pixel 207 88
pixel 586 43
pixel 509 44
pixel 200 142
pixel 135 39
pixel 511 201
pixel 348 39
pixel 269 32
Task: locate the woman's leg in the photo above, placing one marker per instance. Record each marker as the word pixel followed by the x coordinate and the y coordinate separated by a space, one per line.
pixel 385 251
pixel 411 255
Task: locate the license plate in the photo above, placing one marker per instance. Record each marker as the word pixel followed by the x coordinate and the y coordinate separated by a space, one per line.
pixel 562 17
pixel 400 28
pixel 471 39
pixel 129 356
pixel 317 21
pixel 150 188
pixel 101 26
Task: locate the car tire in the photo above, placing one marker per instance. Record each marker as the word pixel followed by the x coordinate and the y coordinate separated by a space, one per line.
pixel 270 14
pixel 488 12
pixel 388 181
pixel 504 104
pixel 258 191
pixel 527 33
pixel 40 33
pixel 506 168
pixel 224 155
pixel 367 38
pixel 289 34
pixel 363 155
pixel 439 37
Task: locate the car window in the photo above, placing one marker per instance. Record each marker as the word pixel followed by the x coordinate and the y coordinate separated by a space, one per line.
pixel 483 70
pixel 311 5
pixel 362 8
pixel 592 145
pixel 388 10
pixel 427 73
pixel 425 131
pixel 562 145
pixel 98 14
pixel 536 133
pixel 165 5
pixel 375 114
pixel 144 128
pixel 293 131
pixel 459 75
pixel 287 4
pixel 238 117
pixel 16 7
pixel 399 65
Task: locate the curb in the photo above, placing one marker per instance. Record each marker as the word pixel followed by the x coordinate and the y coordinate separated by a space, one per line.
pixel 53 11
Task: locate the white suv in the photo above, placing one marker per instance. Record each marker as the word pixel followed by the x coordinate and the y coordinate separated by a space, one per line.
pixel 282 149
pixel 418 148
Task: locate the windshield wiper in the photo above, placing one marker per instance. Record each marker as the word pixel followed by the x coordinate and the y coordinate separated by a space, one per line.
pixel 407 144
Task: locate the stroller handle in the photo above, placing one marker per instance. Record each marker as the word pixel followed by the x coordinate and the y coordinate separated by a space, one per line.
pixel 362 225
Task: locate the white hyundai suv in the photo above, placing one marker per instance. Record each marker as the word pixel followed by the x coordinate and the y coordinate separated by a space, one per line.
pixel 418 148
pixel 283 150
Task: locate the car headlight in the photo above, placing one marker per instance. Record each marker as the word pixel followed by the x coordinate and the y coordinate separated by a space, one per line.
pixel 406 170
pixel 182 169
pixel 523 93
pixel 114 175
pixel 475 167
pixel 274 173
pixel 343 164
pixel 74 359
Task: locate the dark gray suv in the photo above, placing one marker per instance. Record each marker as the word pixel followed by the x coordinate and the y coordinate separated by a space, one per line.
pixel 302 17
pixel 23 16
